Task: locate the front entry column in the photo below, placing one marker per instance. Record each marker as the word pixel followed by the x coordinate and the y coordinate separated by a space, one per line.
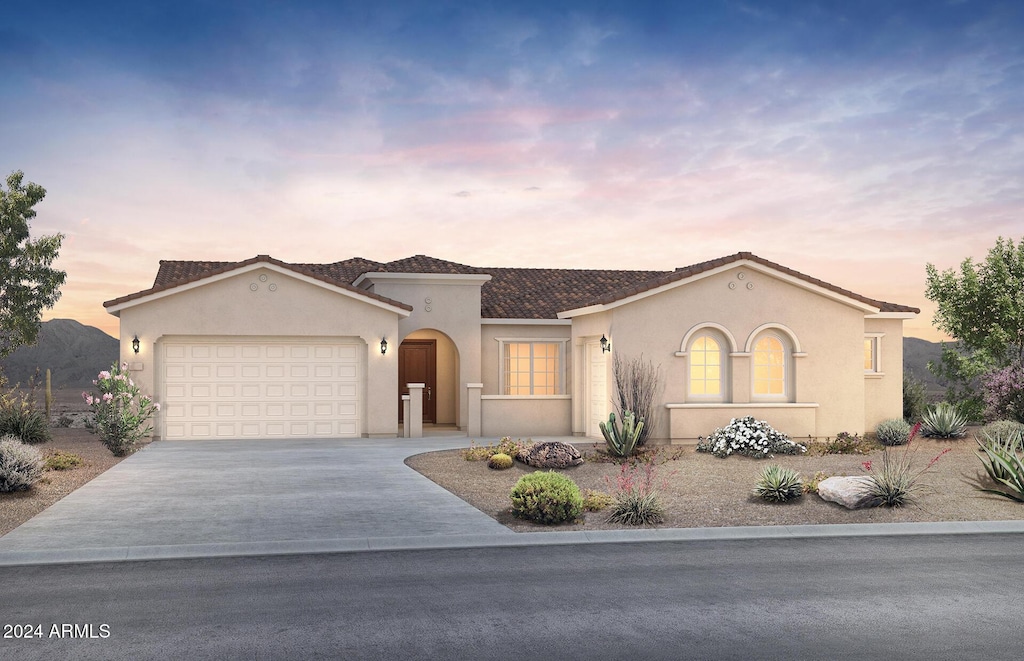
pixel 414 423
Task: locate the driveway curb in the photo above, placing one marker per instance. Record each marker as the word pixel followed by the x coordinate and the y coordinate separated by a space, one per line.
pixel 378 544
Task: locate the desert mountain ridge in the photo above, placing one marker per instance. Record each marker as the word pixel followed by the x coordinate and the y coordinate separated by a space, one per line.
pixel 74 354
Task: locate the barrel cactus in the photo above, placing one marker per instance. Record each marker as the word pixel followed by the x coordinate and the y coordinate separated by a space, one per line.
pixel 499 461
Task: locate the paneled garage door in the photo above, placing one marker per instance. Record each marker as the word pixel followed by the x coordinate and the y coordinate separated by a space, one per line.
pixel 273 389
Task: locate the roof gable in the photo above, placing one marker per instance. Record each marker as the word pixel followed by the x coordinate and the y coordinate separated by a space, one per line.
pixel 175 276
pixel 511 293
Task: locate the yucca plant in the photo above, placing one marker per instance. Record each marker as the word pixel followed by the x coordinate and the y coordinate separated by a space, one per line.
pixel 893 432
pixel 622 440
pixel 945 421
pixel 1004 465
pixel 777 484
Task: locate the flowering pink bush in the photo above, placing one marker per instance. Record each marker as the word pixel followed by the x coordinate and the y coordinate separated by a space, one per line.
pixel 122 411
pixel 1003 392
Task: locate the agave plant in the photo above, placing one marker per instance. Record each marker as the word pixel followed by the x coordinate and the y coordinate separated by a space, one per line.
pixel 1004 465
pixel 777 484
pixel 945 421
pixel 622 440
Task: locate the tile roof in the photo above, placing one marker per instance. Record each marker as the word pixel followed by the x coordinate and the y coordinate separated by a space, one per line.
pixel 177 273
pixel 512 293
pixel 688 271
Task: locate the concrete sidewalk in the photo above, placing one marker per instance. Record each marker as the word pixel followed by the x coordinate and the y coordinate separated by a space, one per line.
pixel 182 499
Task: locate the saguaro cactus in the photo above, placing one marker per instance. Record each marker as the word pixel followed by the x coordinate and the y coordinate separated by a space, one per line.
pixel 622 441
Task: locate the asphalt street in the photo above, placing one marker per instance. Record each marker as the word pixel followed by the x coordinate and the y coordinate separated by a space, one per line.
pixel 923 597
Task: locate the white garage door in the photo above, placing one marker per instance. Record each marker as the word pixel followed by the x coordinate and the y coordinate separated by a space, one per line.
pixel 271 389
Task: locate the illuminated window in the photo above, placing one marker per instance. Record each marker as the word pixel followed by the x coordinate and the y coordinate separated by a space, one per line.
pixel 533 368
pixel 873 353
pixel 769 367
pixel 706 368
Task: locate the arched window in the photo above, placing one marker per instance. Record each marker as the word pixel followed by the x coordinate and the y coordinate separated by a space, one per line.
pixel 771 369
pixel 707 367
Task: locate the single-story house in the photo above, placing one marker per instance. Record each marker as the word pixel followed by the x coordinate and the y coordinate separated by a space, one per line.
pixel 266 349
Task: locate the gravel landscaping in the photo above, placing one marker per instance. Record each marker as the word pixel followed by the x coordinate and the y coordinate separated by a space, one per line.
pixel 700 490
pixel 20 506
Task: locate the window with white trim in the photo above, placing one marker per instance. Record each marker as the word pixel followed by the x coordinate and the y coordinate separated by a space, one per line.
pixel 707 367
pixel 533 368
pixel 770 368
pixel 873 353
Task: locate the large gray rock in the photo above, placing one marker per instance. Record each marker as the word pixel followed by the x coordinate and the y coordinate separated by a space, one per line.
pixel 550 454
pixel 849 491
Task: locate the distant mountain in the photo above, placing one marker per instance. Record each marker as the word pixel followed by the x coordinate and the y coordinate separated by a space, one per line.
pixel 916 355
pixel 73 353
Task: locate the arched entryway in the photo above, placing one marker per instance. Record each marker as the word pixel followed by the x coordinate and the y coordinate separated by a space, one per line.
pixel 430 357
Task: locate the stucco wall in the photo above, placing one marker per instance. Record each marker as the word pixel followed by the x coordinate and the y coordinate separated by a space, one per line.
pixel 295 308
pixel 829 332
pixel 526 417
pixel 451 307
pixel 883 396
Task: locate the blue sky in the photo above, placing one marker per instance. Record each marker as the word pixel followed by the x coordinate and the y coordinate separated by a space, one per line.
pixel 854 141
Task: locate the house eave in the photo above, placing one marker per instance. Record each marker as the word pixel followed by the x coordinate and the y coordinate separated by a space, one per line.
pixel 116 309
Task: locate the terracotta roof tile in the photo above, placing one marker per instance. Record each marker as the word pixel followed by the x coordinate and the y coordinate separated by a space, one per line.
pixel 194 271
pixel 512 293
pixel 688 271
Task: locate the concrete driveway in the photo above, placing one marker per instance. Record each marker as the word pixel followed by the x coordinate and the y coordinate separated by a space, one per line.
pixel 230 495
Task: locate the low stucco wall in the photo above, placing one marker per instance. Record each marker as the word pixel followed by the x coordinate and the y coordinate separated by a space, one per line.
pixel 688 421
pixel 524 417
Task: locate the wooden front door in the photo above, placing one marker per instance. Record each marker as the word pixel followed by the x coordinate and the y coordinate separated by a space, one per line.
pixel 417 363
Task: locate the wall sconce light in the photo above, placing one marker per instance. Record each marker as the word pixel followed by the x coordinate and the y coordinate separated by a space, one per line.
pixel 135 344
pixel 606 346
pixel 383 346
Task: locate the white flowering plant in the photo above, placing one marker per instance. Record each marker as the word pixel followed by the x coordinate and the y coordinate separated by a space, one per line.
pixel 122 412
pixel 749 437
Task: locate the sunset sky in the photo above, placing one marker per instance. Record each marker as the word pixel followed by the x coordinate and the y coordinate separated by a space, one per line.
pixel 853 141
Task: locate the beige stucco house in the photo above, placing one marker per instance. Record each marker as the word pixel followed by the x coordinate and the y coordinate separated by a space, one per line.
pixel 267 349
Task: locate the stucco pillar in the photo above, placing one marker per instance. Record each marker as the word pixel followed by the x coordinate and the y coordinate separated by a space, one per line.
pixel 741 377
pixel 405 416
pixel 475 423
pixel 414 423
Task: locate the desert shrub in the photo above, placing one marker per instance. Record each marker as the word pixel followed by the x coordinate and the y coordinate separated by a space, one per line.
pixel 637 385
pixel 64 420
pixel 62 461
pixel 595 501
pixel 1003 460
pixel 1003 393
pixel 122 411
pixel 500 461
pixel 944 421
pixel 749 437
pixel 1003 430
pixel 811 485
pixel 484 452
pixel 915 399
pixel 546 497
pixel 777 484
pixel 25 422
pixel 21 465
pixel 897 483
pixel 893 432
pixel 843 443
pixel 636 501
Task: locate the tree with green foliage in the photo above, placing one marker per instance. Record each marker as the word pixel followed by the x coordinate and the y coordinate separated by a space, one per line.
pixel 982 308
pixel 28 282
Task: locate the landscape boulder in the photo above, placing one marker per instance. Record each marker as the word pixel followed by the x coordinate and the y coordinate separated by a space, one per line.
pixel 849 491
pixel 550 454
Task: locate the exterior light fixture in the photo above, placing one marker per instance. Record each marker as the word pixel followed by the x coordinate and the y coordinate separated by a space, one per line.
pixel 383 346
pixel 135 344
pixel 606 346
